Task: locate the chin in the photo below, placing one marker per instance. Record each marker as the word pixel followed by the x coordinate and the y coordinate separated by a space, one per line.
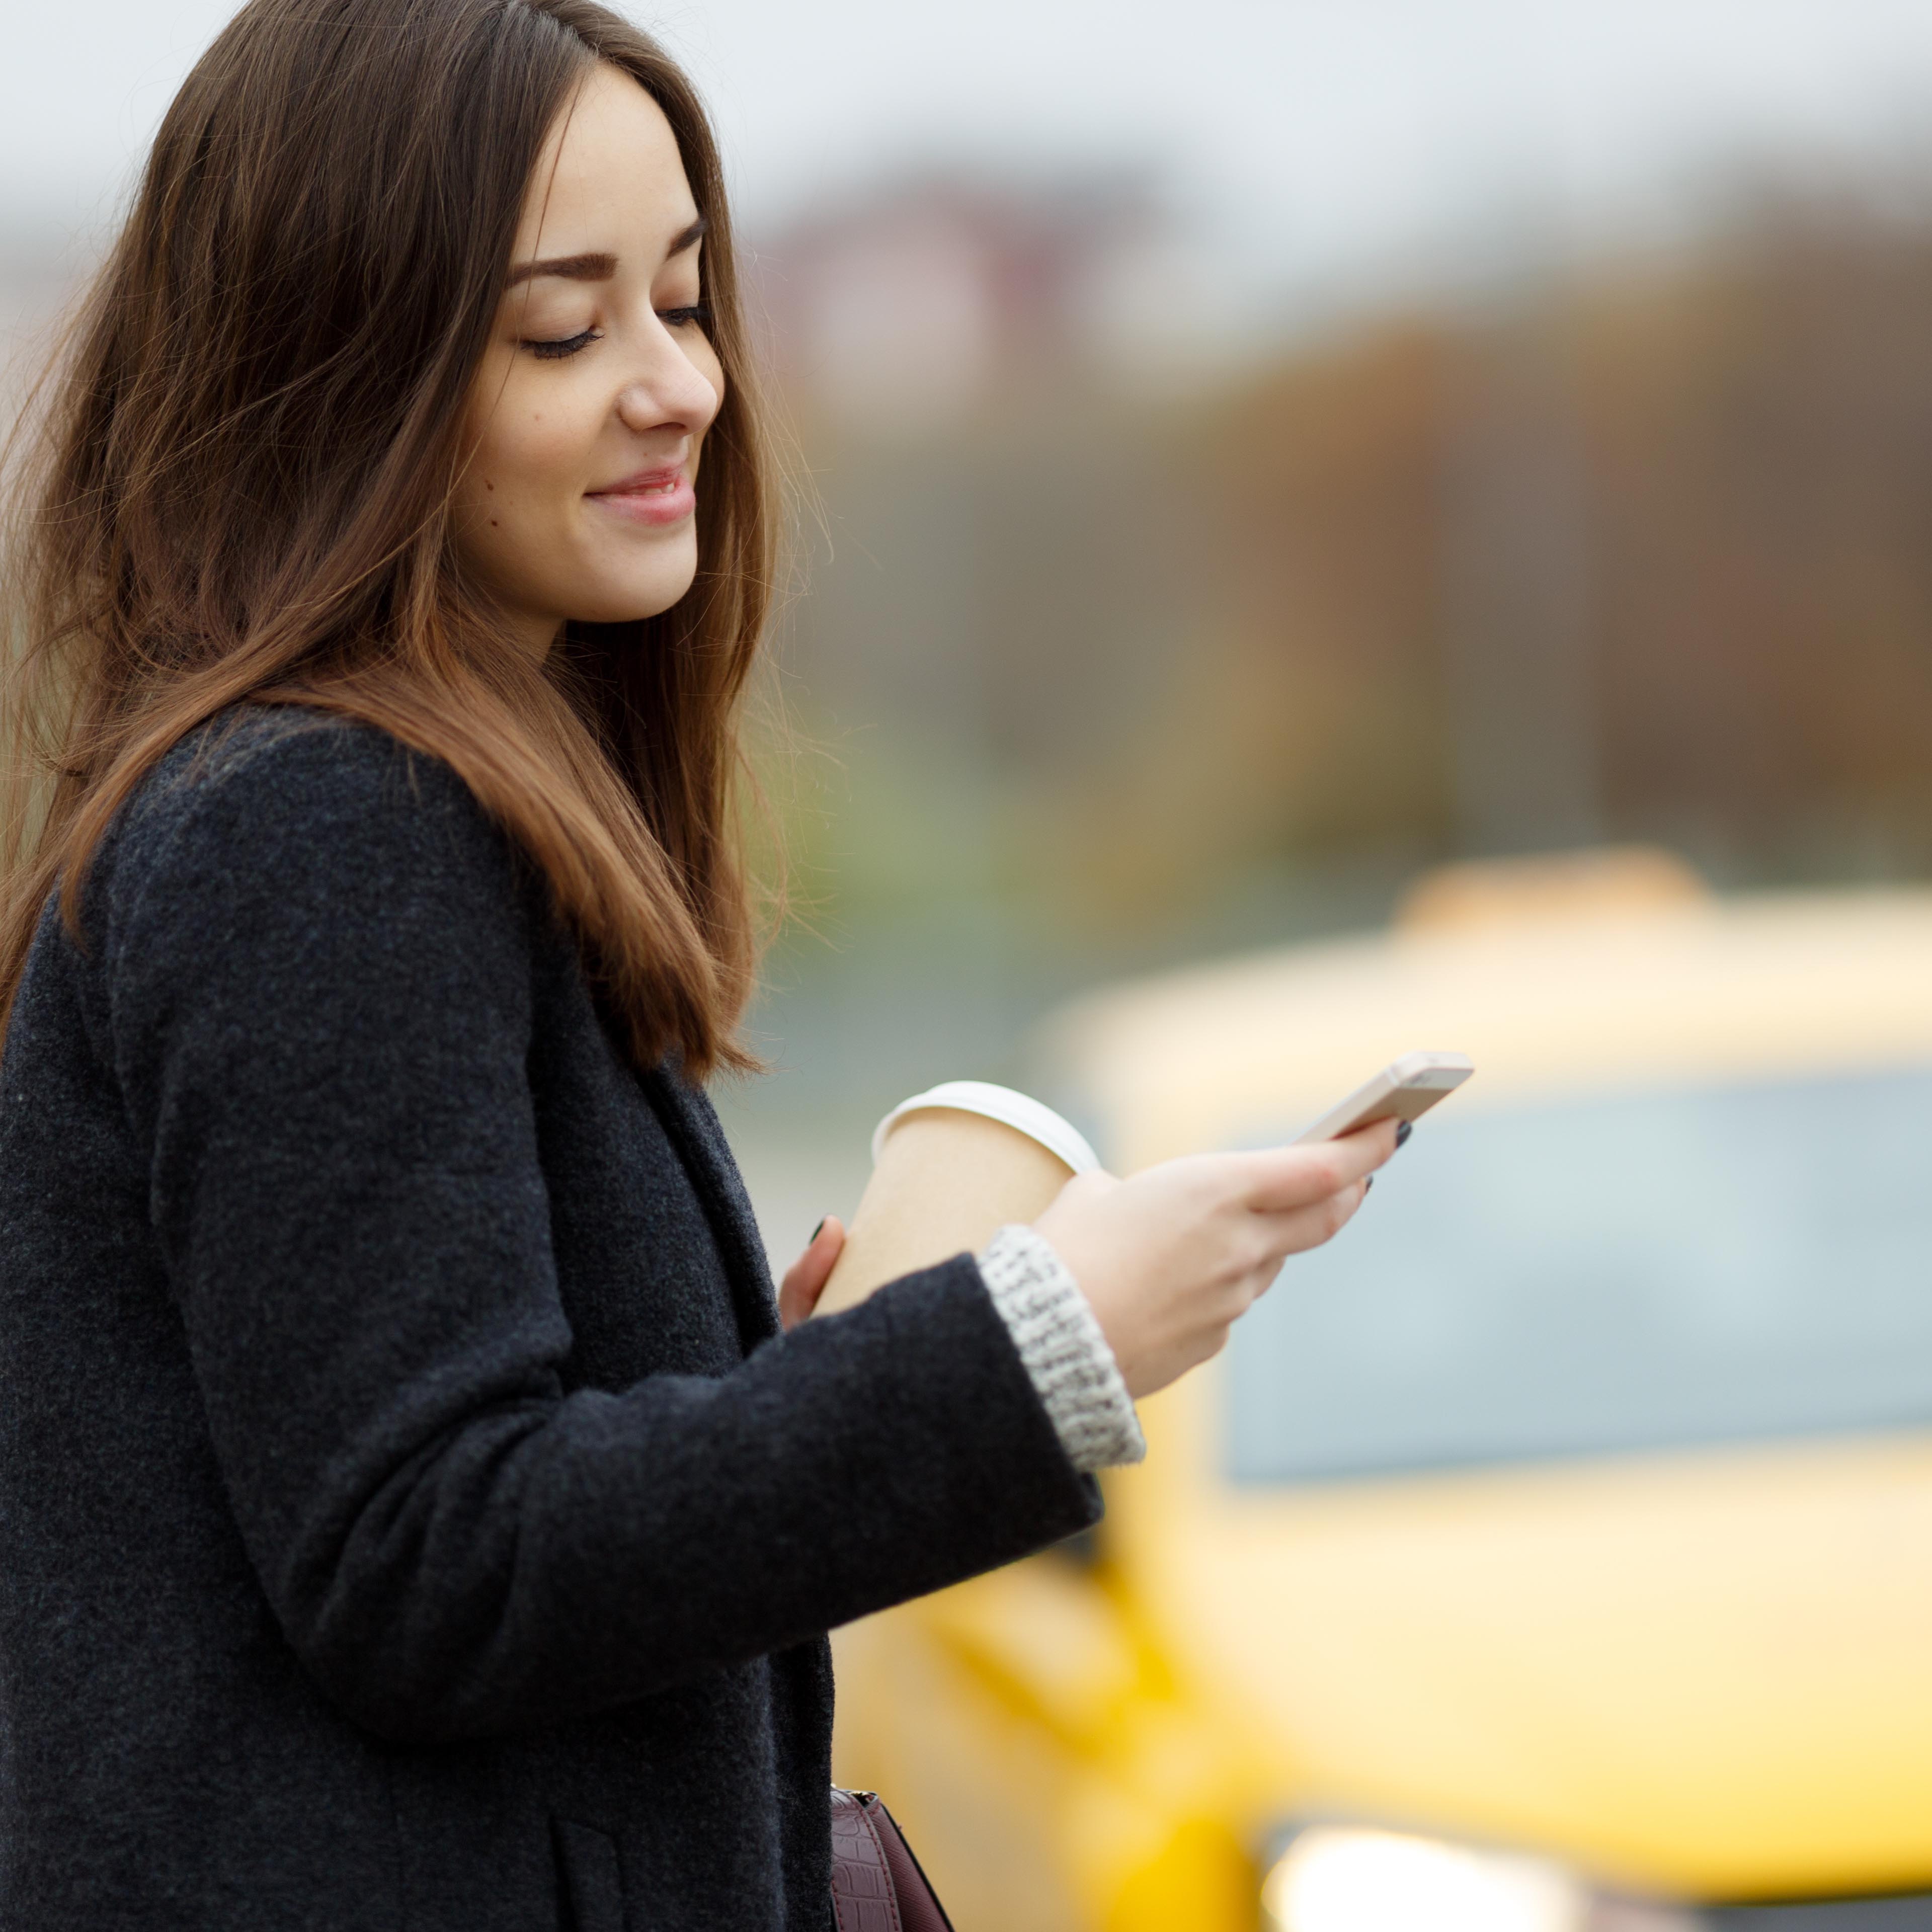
pixel 634 602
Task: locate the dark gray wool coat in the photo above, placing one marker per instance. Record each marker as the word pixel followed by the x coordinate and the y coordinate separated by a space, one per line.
pixel 410 1514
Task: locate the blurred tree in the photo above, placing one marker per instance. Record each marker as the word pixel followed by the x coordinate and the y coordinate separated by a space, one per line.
pixel 1643 556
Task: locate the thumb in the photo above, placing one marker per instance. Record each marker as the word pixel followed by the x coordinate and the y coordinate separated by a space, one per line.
pixel 805 1280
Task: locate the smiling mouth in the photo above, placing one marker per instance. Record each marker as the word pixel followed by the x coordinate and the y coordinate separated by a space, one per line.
pixel 650 496
pixel 644 486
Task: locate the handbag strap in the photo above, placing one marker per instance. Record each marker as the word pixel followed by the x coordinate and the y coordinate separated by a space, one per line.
pixel 876 1883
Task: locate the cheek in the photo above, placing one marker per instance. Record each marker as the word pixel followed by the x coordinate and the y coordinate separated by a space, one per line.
pixel 704 360
pixel 529 463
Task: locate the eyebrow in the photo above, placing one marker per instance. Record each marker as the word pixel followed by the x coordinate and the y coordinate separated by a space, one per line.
pixel 599 268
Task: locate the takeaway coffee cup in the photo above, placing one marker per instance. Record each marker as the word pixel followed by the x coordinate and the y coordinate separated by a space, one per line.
pixel 951 1166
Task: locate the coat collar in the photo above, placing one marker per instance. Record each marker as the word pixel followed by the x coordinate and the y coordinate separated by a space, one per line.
pixel 689 1119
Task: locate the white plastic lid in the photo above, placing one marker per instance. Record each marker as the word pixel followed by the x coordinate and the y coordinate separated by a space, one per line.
pixel 1032 1117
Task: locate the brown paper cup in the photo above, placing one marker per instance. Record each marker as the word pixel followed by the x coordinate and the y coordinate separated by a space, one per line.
pixel 946 1176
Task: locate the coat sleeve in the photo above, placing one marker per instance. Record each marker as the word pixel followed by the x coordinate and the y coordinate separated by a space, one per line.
pixel 319 962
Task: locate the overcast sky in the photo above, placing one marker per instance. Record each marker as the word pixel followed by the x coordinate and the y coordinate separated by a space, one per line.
pixel 1321 139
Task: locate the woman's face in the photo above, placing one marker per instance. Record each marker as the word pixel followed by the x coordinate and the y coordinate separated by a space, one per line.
pixel 587 413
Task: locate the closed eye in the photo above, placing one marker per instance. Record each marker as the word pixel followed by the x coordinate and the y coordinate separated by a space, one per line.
pixel 697 313
pixel 561 345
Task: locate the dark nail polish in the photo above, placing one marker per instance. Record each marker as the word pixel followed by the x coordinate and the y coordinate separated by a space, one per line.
pixel 1366 1185
pixel 819 1230
pixel 1402 1131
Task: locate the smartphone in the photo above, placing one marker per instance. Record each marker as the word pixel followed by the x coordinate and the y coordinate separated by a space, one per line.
pixel 1405 1090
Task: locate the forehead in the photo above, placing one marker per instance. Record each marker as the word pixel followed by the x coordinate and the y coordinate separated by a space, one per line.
pixel 610 174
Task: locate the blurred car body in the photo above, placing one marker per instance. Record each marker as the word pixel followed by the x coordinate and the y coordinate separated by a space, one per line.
pixel 1553 1553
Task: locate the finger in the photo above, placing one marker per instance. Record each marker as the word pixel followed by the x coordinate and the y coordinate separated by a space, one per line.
pixel 805 1280
pixel 1294 1231
pixel 801 1269
pixel 1283 1179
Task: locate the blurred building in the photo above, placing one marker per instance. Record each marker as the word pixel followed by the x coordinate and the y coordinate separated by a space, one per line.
pixel 905 310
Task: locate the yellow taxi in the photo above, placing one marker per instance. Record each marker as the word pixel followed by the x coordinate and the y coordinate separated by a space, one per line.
pixel 1552 1553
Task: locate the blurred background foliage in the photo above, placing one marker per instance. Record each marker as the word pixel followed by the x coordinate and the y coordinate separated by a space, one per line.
pixel 1101 667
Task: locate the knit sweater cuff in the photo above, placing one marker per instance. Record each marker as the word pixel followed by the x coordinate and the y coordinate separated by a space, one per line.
pixel 1064 1352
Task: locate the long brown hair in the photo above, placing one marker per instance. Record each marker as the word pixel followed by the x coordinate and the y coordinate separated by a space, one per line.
pixel 243 488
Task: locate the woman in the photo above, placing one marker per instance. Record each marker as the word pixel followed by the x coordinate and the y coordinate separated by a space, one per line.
pixel 414 1514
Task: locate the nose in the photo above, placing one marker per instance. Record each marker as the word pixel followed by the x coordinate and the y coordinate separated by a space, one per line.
pixel 671 392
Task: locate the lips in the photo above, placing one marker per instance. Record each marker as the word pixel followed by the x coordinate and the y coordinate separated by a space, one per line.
pixel 660 495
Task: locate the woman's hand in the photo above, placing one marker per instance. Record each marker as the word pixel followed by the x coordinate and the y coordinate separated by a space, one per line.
pixel 805 1280
pixel 1169 1258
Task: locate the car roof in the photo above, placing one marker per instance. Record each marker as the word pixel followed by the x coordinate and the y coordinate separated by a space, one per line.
pixel 1679 988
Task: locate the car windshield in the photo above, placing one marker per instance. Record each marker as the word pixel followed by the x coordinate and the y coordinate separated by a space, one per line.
pixel 1626 1273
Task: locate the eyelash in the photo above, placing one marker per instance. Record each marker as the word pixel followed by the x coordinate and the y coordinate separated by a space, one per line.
pixel 556 349
pixel 563 346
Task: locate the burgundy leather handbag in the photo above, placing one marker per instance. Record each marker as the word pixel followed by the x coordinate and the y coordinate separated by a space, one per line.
pixel 877 1884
